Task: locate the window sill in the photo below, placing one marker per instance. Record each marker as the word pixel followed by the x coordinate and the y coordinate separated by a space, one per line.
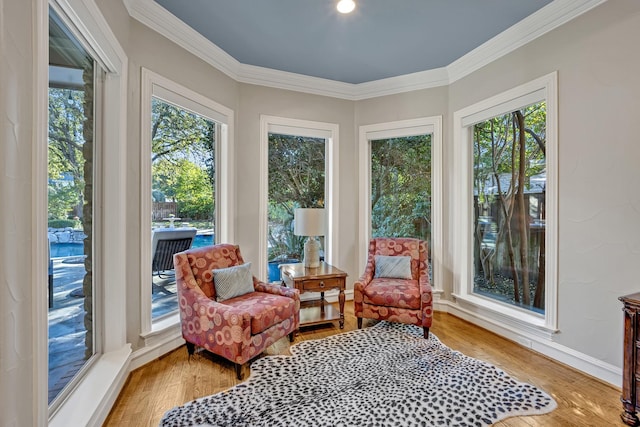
pixel 165 336
pixel 162 329
pixel 91 401
pixel 519 320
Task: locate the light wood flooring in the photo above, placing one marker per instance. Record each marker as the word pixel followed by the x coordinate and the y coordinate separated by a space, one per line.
pixel 173 379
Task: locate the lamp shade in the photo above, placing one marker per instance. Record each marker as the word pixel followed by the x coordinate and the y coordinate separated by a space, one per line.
pixel 309 222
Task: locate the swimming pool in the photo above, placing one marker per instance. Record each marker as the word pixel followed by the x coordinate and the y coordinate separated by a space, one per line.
pixel 59 250
pixel 202 240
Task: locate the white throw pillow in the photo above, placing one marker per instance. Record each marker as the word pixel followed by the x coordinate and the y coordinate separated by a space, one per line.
pixel 393 267
pixel 233 281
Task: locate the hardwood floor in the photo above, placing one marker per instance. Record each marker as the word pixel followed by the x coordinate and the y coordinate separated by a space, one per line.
pixel 173 379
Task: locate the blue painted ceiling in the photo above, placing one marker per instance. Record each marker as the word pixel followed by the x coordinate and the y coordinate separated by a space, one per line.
pixel 380 39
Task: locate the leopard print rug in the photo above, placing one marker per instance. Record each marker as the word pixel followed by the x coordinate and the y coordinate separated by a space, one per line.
pixel 385 375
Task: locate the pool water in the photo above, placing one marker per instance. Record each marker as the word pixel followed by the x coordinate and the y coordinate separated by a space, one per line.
pixel 66 249
pixel 59 250
pixel 202 240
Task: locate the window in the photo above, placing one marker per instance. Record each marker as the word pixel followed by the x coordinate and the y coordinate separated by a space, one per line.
pixel 73 90
pixel 400 185
pixel 86 34
pixel 509 186
pixel 183 179
pixel 505 208
pixel 185 146
pixel 299 169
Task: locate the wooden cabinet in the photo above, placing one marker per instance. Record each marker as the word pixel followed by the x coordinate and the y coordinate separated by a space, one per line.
pixel 321 279
pixel 631 365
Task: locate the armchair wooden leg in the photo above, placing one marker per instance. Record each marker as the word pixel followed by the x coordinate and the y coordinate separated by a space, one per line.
pixel 191 348
pixel 426 331
pixel 292 336
pixel 359 322
pixel 238 371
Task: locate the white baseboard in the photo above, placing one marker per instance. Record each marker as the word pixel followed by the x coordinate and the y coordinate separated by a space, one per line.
pixel 589 365
pixel 91 403
pixel 604 371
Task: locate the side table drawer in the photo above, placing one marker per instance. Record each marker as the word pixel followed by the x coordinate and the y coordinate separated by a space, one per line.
pixel 321 285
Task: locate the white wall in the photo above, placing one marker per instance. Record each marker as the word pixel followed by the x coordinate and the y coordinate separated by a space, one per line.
pixel 597 59
pixel 409 105
pixel 154 52
pixel 256 101
pixel 596 56
pixel 18 249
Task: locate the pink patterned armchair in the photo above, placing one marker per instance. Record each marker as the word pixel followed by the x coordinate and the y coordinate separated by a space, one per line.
pixel 238 328
pixel 403 293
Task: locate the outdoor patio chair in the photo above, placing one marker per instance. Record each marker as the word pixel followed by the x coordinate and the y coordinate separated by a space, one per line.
pixel 228 311
pixel 168 241
pixel 395 284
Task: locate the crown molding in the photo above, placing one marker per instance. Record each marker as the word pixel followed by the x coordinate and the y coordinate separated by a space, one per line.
pixel 160 20
pixel 406 83
pixel 535 25
pixel 292 81
pixel 555 14
pixel 354 92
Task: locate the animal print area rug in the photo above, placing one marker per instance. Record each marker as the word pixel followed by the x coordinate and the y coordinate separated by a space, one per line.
pixel 385 375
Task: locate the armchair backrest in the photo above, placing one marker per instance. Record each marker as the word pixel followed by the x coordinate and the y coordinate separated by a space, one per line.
pixel 203 260
pixel 400 246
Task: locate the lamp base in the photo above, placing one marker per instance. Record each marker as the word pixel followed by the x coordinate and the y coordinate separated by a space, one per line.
pixel 312 253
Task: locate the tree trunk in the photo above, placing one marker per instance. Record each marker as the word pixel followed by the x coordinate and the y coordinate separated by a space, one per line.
pixel 539 297
pixel 505 227
pixel 522 208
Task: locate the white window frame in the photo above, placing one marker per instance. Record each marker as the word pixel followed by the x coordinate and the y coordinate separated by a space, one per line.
pixel 518 319
pixel 327 131
pixel 397 129
pixel 157 86
pixel 94 392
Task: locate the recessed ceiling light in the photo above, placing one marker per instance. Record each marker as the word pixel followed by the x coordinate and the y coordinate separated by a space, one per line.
pixel 346 6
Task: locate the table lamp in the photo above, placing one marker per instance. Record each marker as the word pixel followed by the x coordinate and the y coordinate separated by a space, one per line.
pixel 310 222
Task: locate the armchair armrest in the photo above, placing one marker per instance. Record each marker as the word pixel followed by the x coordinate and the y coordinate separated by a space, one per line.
pixel 199 305
pixel 276 290
pixel 425 287
pixel 369 270
pixel 358 288
pixel 423 279
pixel 294 294
pixel 361 283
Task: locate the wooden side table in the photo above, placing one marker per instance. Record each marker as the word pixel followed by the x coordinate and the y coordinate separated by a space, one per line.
pixel 321 279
